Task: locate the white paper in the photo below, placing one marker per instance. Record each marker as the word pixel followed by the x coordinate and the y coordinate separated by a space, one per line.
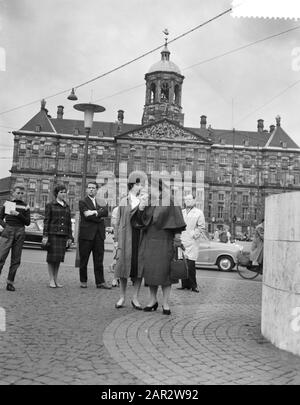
pixel 9 206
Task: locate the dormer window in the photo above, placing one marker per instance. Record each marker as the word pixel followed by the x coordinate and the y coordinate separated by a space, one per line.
pixel 76 131
pixel 283 144
pixel 38 128
pixel 101 134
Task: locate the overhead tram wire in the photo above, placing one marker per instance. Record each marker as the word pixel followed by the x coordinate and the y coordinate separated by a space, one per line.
pixel 210 59
pixel 123 65
pixel 270 101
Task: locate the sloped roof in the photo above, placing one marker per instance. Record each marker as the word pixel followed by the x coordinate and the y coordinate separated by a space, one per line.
pixel 226 137
pixel 278 137
pixel 109 129
pixel 112 129
pixel 5 183
pixel 41 119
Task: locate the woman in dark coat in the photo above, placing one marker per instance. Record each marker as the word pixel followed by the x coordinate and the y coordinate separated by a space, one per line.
pixel 163 223
pixel 57 234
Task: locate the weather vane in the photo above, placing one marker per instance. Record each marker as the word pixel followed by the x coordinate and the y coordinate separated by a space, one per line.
pixel 166 32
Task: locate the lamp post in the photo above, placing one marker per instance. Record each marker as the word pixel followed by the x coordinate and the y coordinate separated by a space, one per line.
pixel 89 110
pixel 233 217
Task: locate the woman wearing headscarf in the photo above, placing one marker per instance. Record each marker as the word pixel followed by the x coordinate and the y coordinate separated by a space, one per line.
pixel 162 225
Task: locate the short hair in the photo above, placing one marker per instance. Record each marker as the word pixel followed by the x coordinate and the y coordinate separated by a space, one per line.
pixel 92 182
pixel 20 187
pixel 58 188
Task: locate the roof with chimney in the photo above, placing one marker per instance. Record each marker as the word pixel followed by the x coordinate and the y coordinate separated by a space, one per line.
pixel 276 138
pixel 5 184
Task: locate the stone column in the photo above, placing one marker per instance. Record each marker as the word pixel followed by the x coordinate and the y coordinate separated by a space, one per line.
pixel 281 280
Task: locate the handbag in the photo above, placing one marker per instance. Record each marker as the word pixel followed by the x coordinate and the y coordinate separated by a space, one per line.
pixel 178 266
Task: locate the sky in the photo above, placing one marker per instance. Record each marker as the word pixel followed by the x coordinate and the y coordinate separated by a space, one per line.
pixel 53 45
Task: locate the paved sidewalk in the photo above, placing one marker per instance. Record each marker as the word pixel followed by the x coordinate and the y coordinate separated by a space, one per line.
pixel 76 336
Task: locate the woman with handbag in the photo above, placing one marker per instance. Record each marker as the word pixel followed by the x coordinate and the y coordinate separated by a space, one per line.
pixel 57 233
pixel 162 224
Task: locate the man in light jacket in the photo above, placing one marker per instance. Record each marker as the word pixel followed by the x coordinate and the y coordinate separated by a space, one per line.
pixel 195 229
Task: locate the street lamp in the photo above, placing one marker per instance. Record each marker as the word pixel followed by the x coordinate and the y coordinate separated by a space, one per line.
pixel 89 110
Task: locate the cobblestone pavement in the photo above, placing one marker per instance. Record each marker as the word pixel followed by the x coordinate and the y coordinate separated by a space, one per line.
pixel 76 336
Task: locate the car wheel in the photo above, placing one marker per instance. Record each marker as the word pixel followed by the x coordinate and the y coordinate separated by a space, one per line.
pixel 225 263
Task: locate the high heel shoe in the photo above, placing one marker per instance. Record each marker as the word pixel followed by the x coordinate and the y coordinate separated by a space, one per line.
pixel 120 304
pixel 138 307
pixel 166 311
pixel 151 308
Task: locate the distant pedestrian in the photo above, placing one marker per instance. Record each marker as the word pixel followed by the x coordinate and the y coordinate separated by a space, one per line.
pixel 195 229
pixel 13 218
pixel 92 236
pixel 217 235
pixel 57 233
pixel 257 246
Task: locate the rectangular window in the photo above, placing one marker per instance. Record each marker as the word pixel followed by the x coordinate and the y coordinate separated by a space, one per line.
pixel 164 153
pixel 45 186
pixel 245 199
pixel 245 212
pixel 35 147
pixel 223 159
pixel 31 201
pixel 32 185
pixel 209 211
pixel 175 153
pixel 220 211
pixel 22 146
pixel 62 149
pixel 44 201
pixel 221 197
pixel 72 188
pixel 150 167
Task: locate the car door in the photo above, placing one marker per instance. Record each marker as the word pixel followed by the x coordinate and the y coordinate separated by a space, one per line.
pixel 204 252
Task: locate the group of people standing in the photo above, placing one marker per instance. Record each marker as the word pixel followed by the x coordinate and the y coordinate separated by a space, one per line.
pixel 146 234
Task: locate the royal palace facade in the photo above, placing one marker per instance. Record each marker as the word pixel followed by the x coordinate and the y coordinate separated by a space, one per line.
pixel 237 169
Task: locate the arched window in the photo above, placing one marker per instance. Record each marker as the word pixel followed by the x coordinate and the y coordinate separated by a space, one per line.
pixel 152 92
pixel 164 92
pixel 176 94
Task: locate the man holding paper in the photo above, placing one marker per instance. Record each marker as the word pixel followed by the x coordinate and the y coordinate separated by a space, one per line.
pixel 14 215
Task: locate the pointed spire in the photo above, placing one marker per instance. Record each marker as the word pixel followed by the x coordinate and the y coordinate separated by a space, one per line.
pixel 165 53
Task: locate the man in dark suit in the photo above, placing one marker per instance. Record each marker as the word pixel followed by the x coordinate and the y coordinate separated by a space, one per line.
pixel 91 236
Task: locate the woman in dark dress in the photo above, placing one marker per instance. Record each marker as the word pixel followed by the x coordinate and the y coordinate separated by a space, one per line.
pixel 163 223
pixel 57 234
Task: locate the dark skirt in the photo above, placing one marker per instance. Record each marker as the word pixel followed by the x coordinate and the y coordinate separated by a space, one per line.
pixel 57 248
pixel 134 254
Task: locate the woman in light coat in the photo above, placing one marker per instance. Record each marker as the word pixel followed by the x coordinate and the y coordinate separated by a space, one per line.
pixel 127 243
pixel 256 253
pixel 195 229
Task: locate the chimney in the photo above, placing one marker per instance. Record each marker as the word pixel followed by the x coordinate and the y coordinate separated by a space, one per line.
pixel 260 125
pixel 272 127
pixel 203 121
pixel 60 112
pixel 120 116
pixel 43 104
pixel 278 118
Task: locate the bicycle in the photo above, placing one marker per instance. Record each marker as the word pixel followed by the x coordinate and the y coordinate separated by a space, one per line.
pixel 245 268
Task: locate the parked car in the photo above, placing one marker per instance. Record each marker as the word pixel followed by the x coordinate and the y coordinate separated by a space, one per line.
pixel 217 254
pixel 34 234
pixel 109 229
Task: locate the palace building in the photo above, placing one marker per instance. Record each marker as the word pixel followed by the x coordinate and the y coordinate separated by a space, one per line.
pixel 238 169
